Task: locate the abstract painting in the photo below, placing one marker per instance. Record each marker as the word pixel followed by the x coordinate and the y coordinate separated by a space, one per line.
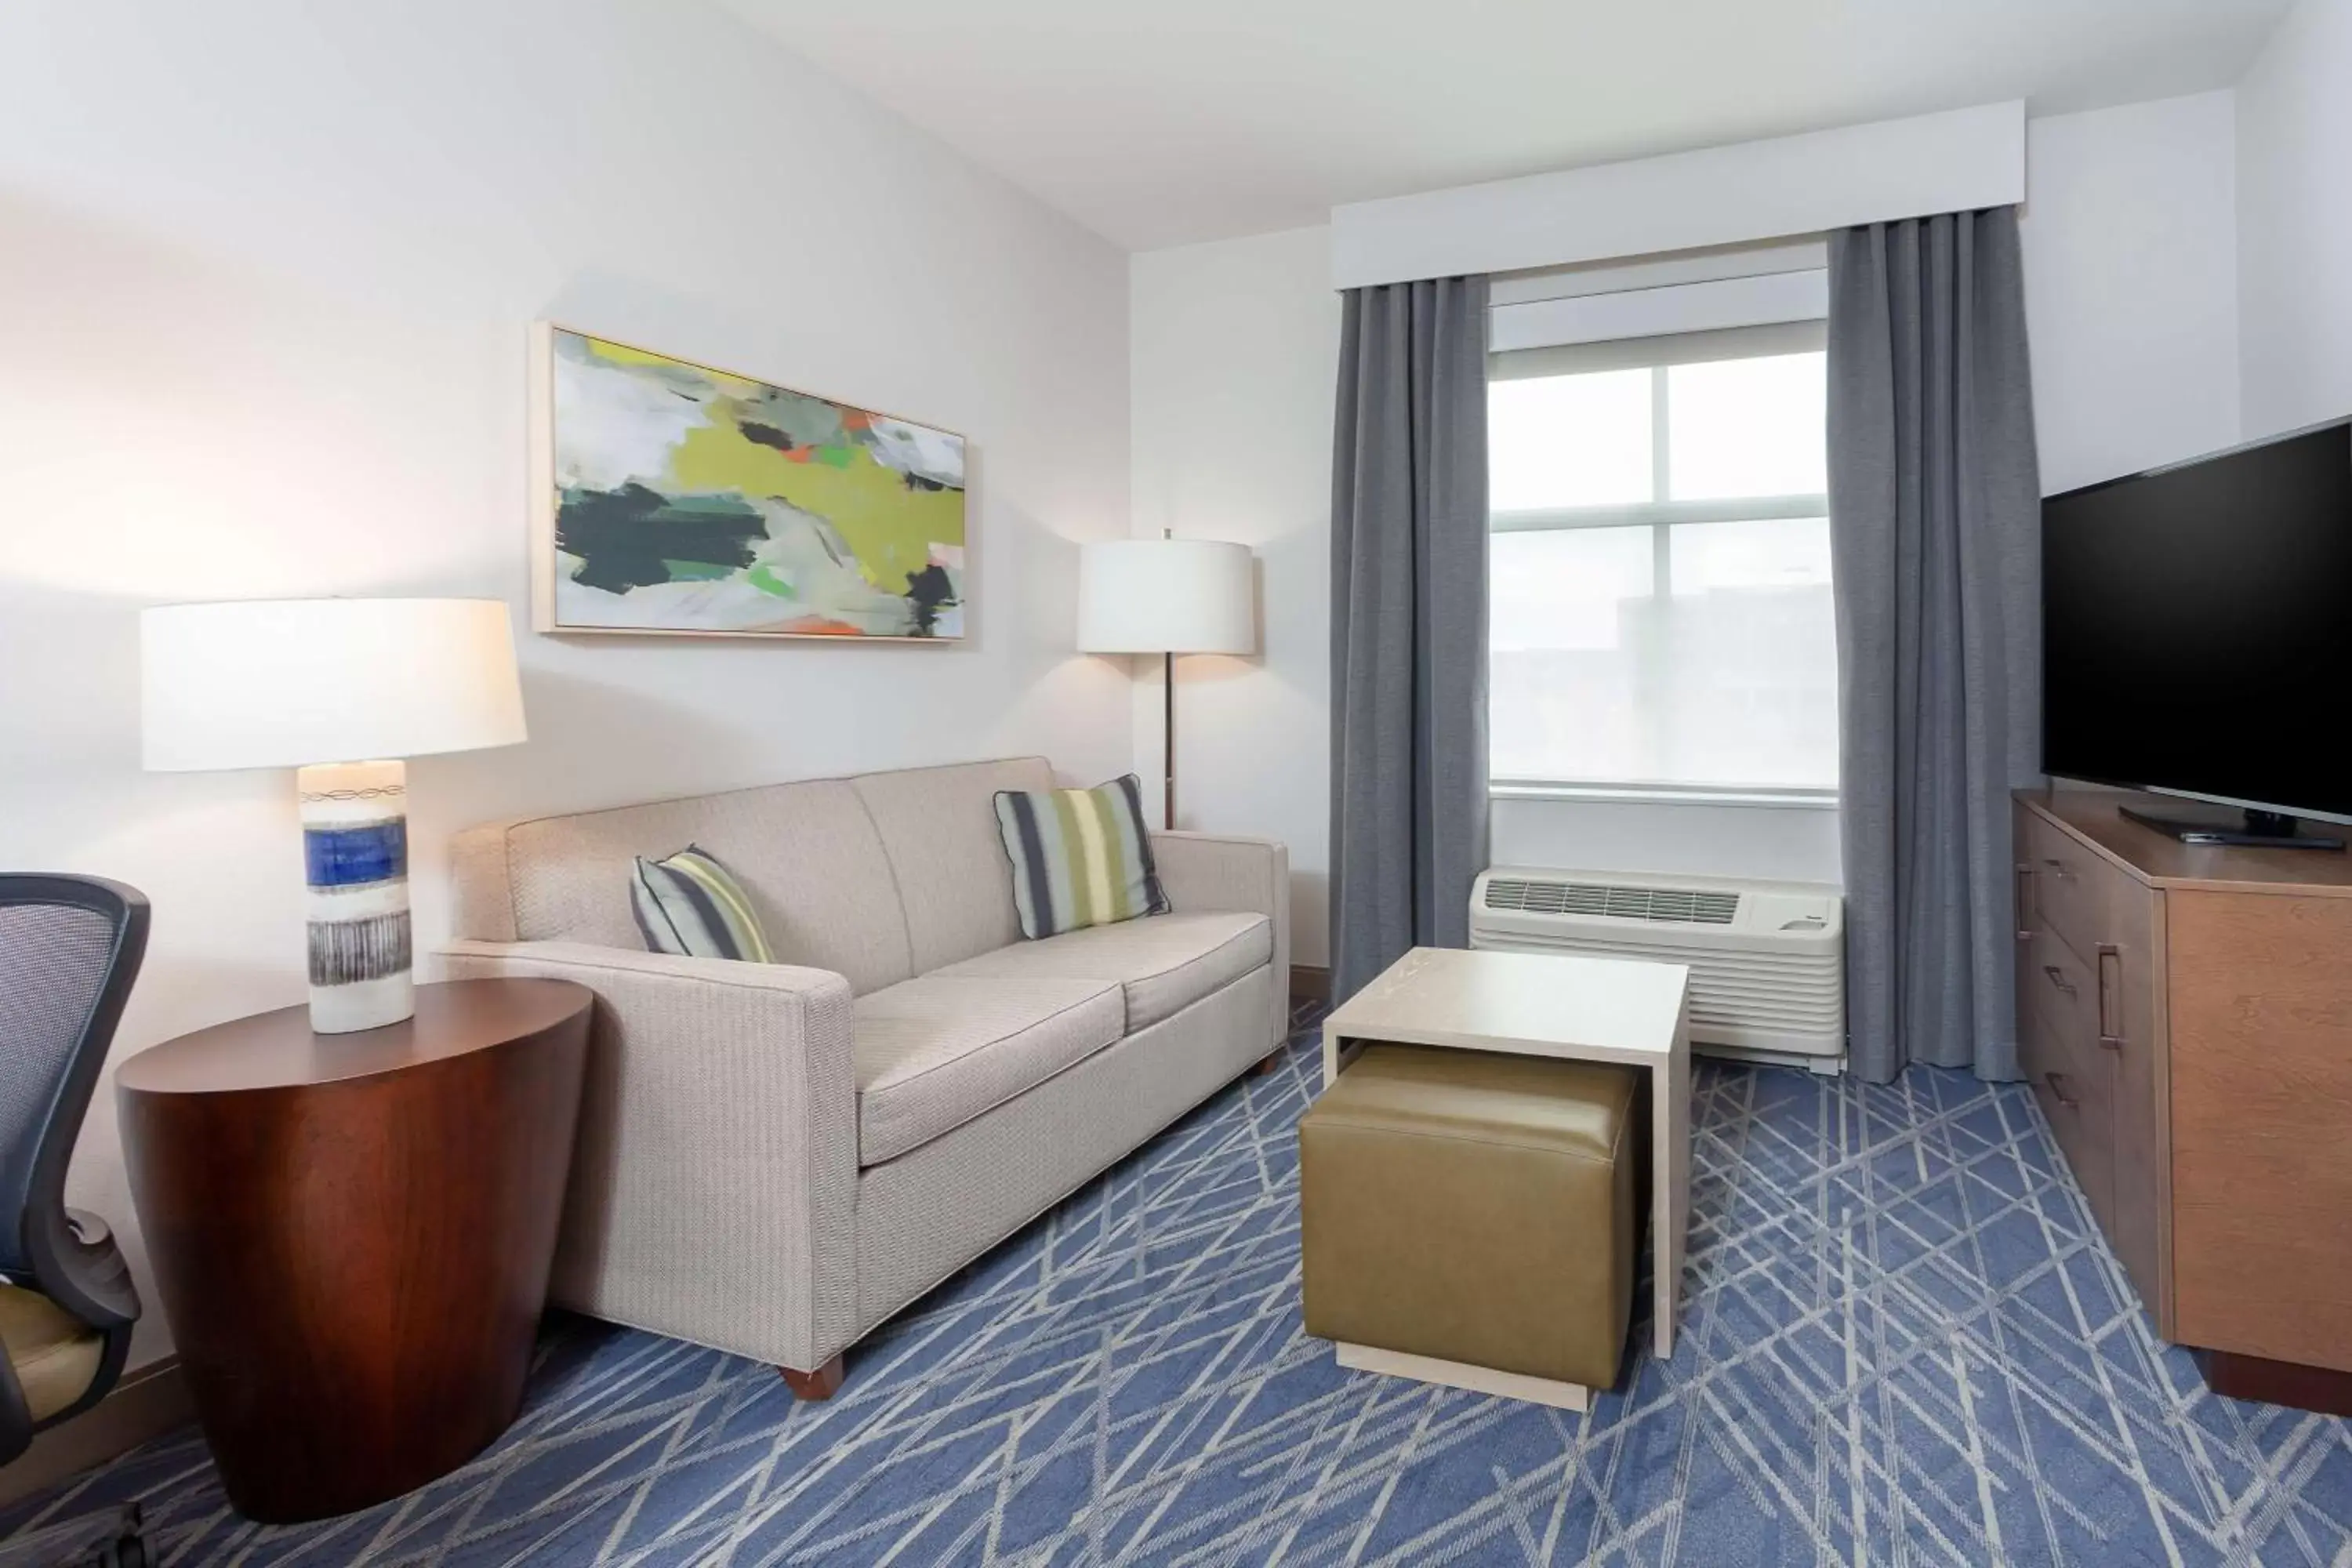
pixel 674 499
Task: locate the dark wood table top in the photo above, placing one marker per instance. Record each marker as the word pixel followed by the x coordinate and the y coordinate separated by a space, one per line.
pixel 279 1050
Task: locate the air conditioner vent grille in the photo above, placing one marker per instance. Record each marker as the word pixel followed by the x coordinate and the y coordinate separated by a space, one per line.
pixel 1671 905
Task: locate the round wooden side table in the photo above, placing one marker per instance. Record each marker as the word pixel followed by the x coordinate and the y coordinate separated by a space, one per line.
pixel 352 1233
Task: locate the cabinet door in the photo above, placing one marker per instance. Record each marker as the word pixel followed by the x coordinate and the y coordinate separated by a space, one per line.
pixel 2261 1004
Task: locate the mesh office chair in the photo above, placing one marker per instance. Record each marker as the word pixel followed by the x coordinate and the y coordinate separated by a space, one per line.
pixel 69 949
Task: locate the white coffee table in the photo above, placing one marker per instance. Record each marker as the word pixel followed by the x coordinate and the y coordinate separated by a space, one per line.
pixel 1543 1004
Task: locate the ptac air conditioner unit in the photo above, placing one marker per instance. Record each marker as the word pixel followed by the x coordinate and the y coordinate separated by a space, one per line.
pixel 1766 959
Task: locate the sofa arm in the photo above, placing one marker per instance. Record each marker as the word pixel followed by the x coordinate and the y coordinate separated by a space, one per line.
pixel 713 1192
pixel 1203 872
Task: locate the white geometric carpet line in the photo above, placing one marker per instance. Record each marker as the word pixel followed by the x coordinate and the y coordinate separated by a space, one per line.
pixel 2277 1508
pixel 2274 1504
pixel 678 1427
pixel 416 1514
pixel 1997 1353
pixel 674 1417
pixel 1374 1423
pixel 1308 1423
pixel 676 1414
pixel 1327 1460
pixel 2134 1462
pixel 1963 1329
pixel 1905 1343
pixel 1016 1472
pixel 1701 1384
pixel 1120 1372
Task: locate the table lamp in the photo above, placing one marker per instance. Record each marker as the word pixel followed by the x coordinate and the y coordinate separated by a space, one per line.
pixel 326 687
pixel 1166 597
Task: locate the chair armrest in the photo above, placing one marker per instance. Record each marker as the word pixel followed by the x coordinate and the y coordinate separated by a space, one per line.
pixel 1208 871
pixel 713 1192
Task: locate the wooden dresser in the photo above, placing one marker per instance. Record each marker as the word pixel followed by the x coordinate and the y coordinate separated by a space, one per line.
pixel 2185 1016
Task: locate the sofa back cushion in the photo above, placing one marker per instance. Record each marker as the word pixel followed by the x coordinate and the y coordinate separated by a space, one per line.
pixel 808 854
pixel 938 828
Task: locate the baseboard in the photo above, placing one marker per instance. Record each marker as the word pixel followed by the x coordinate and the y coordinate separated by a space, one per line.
pixel 145 1405
pixel 1310 982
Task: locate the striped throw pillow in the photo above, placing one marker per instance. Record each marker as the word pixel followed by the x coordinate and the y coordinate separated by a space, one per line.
pixel 692 905
pixel 1080 857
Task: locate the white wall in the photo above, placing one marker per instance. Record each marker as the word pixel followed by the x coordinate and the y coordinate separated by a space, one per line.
pixel 266 274
pixel 2131 275
pixel 2131 294
pixel 1234 357
pixel 2295 222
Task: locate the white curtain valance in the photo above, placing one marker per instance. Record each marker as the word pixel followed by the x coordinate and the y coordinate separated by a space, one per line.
pixel 1960 161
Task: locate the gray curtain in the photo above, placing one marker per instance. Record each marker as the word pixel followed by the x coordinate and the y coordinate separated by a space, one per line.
pixel 1935 528
pixel 1408 623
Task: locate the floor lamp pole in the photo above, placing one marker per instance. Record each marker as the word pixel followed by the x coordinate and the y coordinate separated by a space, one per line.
pixel 1168 729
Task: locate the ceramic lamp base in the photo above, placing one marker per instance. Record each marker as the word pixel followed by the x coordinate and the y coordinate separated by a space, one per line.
pixel 355 855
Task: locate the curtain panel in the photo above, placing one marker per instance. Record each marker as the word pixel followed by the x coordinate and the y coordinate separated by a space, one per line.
pixel 1407 623
pixel 1935 527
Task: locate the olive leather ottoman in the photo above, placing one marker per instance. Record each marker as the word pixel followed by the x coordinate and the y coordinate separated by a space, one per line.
pixel 1470 1218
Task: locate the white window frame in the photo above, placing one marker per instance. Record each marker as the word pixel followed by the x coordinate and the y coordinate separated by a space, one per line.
pixel 1690 311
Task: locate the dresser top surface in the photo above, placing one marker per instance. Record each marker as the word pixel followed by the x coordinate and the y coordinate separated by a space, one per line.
pixel 2093 817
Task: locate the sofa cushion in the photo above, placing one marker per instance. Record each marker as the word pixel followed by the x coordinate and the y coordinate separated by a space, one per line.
pixel 1162 964
pixel 807 854
pixel 934 1052
pixel 938 825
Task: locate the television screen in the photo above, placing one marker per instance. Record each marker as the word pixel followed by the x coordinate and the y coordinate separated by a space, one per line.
pixel 2197 627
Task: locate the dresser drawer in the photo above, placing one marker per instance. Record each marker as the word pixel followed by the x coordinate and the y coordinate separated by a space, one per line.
pixel 2061 986
pixel 2072 892
pixel 2090 983
pixel 2074 1082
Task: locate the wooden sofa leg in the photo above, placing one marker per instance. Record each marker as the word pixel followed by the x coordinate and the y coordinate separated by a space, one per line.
pixel 821 1383
pixel 1267 1064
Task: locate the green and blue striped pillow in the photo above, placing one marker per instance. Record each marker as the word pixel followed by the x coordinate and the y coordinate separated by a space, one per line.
pixel 1080 857
pixel 691 905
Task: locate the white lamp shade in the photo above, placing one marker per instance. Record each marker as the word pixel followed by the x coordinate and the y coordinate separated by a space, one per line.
pixel 1166 595
pixel 270 683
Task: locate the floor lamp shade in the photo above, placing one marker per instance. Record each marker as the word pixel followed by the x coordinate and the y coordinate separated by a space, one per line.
pixel 342 690
pixel 1167 596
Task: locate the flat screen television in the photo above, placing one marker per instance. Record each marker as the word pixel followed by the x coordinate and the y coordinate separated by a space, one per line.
pixel 2197 637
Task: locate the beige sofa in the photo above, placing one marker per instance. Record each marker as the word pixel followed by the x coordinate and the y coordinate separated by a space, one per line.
pixel 775 1158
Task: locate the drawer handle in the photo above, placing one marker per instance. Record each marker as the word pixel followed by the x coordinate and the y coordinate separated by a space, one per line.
pixel 2057 1081
pixel 2024 900
pixel 2109 1038
pixel 2058 866
pixel 2058 978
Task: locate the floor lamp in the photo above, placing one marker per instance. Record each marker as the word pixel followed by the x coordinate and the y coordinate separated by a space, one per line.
pixel 1166 597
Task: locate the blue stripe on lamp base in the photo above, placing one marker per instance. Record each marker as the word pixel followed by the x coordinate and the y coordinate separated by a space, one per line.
pixel 355 858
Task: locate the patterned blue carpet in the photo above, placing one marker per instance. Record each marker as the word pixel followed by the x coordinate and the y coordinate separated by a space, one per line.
pixel 1905 1344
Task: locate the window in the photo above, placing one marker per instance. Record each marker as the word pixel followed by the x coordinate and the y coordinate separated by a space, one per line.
pixel 1661 611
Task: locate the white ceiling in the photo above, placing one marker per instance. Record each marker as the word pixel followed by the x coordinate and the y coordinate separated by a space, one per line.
pixel 1174 120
